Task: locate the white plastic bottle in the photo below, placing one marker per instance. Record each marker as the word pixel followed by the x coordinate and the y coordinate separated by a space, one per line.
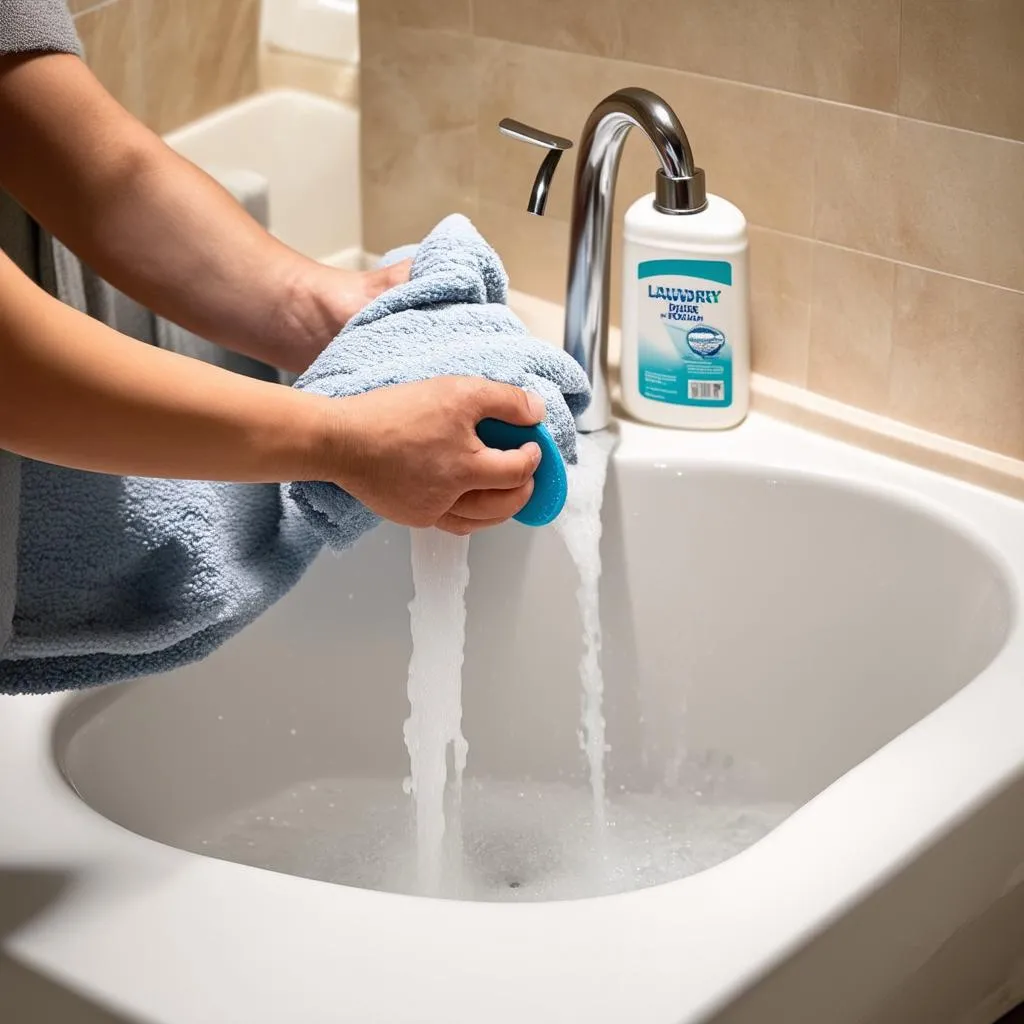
pixel 685 316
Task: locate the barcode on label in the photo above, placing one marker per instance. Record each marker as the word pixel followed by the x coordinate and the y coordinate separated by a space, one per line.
pixel 705 390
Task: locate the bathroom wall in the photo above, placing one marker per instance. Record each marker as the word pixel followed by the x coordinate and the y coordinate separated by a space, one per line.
pixel 876 146
pixel 171 61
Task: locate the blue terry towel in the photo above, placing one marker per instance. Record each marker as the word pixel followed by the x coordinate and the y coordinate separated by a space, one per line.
pixel 126 576
pixel 450 318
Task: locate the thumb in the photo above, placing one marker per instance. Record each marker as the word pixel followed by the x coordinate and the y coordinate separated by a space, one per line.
pixel 509 403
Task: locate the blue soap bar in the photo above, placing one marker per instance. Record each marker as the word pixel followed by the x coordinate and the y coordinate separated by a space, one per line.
pixel 549 481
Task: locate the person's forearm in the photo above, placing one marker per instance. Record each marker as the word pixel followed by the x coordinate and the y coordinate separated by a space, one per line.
pixel 76 393
pixel 147 220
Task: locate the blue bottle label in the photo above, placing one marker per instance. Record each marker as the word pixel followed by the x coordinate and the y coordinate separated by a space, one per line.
pixel 684 322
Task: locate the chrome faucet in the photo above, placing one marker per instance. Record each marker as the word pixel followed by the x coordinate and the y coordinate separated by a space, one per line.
pixel 679 188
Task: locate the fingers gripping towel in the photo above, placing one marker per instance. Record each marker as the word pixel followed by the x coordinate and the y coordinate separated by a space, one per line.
pixel 451 318
pixel 127 576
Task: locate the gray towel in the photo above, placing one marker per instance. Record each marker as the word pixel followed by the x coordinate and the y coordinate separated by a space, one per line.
pixel 450 318
pixel 10 495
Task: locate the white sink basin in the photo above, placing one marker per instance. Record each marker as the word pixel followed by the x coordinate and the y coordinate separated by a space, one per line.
pixel 764 632
pixel 787 623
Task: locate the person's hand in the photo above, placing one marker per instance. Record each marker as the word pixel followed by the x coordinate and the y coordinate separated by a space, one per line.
pixel 344 293
pixel 319 301
pixel 411 452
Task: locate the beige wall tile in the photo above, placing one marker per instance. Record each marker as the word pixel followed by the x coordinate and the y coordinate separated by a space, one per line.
pixel 394 217
pixel 780 304
pixel 78 6
pixel 198 55
pixel 845 50
pixel 960 205
pixel 444 15
pixel 418 109
pixel 958 360
pixel 851 326
pixel 581 26
pixel 854 186
pixel 110 40
pixel 962 64
pixel 921 193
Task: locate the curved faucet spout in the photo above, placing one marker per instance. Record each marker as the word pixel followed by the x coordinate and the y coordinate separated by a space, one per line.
pixel 679 188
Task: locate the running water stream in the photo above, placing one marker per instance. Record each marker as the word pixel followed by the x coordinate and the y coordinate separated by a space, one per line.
pixel 580 528
pixel 437 612
pixel 440 569
pixel 503 839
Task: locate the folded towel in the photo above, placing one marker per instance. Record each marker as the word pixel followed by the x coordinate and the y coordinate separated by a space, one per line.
pixel 127 576
pixel 449 319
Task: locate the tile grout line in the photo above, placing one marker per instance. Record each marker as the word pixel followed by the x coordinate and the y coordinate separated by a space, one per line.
pixel 889 259
pixel 899 60
pixel 761 88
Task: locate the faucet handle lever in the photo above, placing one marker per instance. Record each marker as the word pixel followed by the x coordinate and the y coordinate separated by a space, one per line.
pixel 527 133
pixel 555 146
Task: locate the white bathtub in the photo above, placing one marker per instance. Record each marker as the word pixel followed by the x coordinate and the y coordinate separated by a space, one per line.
pixel 845 626
pixel 307 149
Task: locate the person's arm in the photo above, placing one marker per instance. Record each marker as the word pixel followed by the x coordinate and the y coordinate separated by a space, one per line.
pixel 156 226
pixel 76 393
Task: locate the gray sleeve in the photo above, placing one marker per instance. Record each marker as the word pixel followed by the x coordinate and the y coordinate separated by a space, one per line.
pixel 37 25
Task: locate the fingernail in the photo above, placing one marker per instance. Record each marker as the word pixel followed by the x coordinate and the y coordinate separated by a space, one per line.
pixel 534 451
pixel 536 406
